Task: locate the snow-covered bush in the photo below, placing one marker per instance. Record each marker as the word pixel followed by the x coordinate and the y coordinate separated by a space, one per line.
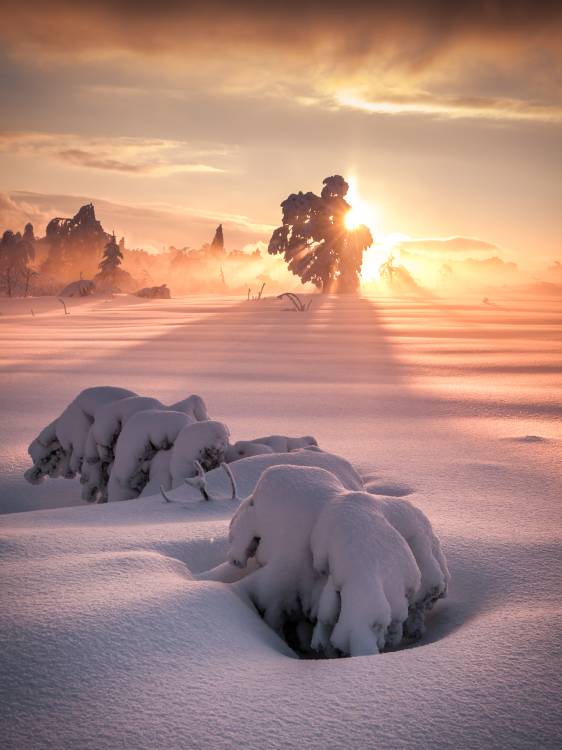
pixel 83 438
pixel 99 451
pixel 58 450
pixel 345 573
pixel 104 432
pixel 142 437
pixel 202 442
pixel 284 444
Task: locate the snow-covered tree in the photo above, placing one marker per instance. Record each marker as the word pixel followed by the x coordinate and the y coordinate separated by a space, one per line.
pixel 111 276
pixel 338 570
pixel 315 242
pixel 217 245
pixel 111 260
pixel 75 244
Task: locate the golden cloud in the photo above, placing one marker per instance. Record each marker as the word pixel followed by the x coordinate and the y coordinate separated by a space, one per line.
pixel 152 157
pixel 433 53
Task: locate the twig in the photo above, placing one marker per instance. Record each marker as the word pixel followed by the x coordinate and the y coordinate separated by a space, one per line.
pixel 299 305
pixel 64 305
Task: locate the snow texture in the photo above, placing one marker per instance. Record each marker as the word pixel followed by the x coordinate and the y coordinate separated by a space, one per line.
pixel 116 630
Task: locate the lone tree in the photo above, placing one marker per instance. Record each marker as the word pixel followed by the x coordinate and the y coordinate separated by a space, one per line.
pixel 315 241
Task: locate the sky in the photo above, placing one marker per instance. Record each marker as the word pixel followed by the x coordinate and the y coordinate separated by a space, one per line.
pixel 172 117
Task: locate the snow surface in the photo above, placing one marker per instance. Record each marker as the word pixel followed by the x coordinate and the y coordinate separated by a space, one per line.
pixel 109 637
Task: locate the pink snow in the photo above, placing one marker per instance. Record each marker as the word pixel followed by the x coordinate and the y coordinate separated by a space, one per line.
pixel 109 637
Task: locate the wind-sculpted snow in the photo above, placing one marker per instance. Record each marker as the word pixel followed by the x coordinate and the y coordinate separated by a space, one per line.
pixel 360 571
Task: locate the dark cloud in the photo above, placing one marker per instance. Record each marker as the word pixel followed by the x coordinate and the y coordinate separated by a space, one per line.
pixel 489 59
pixel 339 33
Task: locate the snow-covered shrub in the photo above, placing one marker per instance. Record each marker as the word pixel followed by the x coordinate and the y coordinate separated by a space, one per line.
pixel 82 439
pixel 142 437
pixel 80 288
pixel 205 442
pixel 345 572
pixel 58 450
pixel 268 444
pixel 284 444
pixel 245 449
pixel 371 577
pixel 104 432
pixel 416 529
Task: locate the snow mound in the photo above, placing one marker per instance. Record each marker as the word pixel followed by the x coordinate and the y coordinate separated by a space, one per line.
pixel 269 444
pixel 246 473
pixel 340 572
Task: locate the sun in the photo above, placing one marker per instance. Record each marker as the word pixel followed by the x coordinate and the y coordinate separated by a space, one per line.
pixel 361 212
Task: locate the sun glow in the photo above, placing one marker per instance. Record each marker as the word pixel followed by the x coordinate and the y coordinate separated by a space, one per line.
pixel 361 212
pixel 377 254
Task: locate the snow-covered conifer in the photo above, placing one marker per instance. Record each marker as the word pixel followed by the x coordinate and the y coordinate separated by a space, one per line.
pixel 349 573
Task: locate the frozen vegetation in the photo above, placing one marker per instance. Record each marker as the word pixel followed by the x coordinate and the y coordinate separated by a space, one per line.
pixel 344 572
pixel 339 572
pixel 125 624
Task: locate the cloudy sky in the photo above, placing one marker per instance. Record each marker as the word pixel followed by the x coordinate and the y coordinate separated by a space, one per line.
pixel 173 116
